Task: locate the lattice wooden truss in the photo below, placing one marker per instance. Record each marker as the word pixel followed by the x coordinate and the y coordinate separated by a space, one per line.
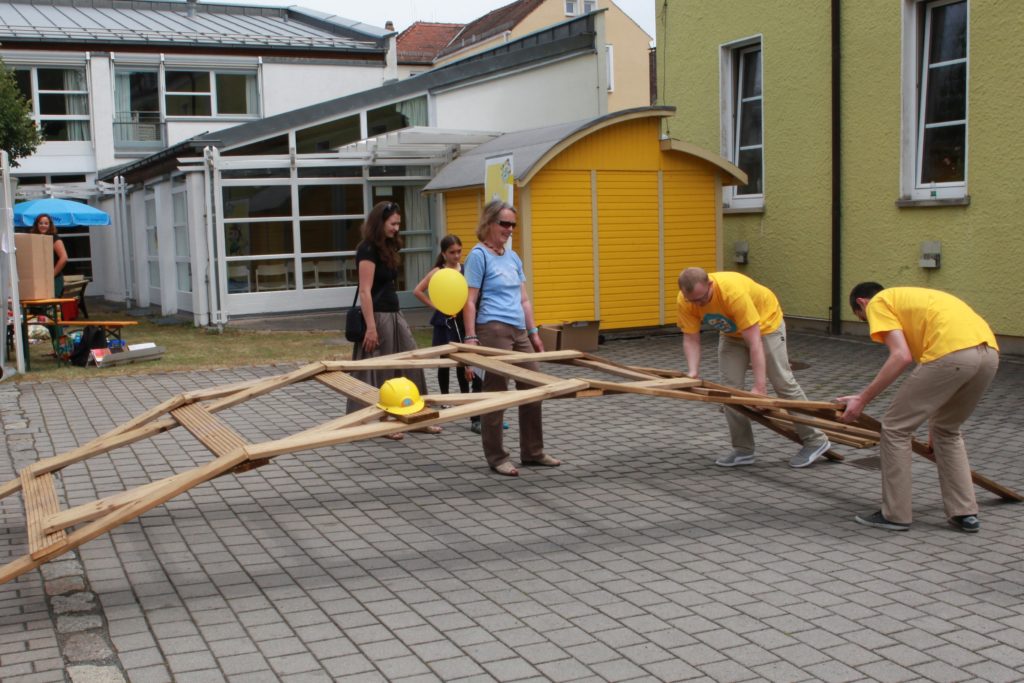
pixel 53 532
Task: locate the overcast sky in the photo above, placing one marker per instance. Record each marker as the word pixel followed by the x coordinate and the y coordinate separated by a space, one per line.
pixel 404 12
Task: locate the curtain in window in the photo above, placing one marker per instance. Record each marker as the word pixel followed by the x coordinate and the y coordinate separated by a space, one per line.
pixel 122 107
pixel 252 105
pixel 414 111
pixel 417 218
pixel 77 105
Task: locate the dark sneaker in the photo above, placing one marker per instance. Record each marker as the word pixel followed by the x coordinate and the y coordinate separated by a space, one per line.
pixel 736 458
pixel 967 523
pixel 877 520
pixel 808 454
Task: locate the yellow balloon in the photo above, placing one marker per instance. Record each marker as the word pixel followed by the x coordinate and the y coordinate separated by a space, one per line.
pixel 448 291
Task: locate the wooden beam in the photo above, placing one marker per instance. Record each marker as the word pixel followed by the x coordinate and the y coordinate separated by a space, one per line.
pixel 504 369
pixel 40 499
pixel 211 431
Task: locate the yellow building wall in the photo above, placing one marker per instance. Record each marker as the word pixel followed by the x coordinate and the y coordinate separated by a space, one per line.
pixel 790 241
pixel 790 248
pixel 462 209
pixel 636 287
pixel 982 248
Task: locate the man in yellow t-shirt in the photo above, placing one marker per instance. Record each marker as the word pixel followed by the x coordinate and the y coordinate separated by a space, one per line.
pixel 752 334
pixel 957 358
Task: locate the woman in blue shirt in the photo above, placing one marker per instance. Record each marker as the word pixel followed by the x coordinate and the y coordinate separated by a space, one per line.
pixel 503 318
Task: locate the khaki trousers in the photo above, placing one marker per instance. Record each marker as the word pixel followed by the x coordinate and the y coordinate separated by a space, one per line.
pixel 531 430
pixel 944 392
pixel 733 361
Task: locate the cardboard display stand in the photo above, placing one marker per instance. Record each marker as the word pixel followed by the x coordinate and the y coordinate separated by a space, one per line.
pixel 35 266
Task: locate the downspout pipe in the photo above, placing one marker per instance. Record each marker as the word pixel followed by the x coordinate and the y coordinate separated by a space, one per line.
pixel 835 308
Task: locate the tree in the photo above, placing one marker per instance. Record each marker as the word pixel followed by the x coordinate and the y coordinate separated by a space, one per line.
pixel 19 136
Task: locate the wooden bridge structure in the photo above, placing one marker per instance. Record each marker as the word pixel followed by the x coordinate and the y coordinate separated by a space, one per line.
pixel 53 531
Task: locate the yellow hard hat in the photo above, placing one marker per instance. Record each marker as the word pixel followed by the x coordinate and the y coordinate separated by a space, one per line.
pixel 399 396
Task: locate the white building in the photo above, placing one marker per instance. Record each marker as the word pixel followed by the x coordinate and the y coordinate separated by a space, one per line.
pixel 265 216
pixel 114 80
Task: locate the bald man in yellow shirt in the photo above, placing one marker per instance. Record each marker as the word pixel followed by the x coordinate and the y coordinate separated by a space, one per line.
pixel 957 359
pixel 752 334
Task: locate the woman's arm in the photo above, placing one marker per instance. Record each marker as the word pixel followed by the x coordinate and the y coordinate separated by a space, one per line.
pixel 420 292
pixel 62 257
pixel 367 269
pixel 531 324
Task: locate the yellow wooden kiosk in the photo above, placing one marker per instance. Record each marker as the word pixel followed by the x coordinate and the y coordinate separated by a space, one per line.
pixel 609 213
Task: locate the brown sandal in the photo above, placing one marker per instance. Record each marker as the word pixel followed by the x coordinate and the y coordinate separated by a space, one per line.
pixel 507 469
pixel 398 436
pixel 543 461
pixel 431 429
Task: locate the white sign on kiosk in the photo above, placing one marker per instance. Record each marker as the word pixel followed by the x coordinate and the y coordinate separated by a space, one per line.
pixel 499 178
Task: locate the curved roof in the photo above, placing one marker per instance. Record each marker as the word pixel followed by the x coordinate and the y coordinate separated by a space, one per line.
pixel 532 149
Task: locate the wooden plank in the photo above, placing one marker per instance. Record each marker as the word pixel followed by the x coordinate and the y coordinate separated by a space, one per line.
pixel 265 386
pixel 90 511
pixel 507 399
pixel 389 363
pixel 40 499
pixel 505 369
pixel 172 486
pixel 824 424
pixel 613 369
pixel 350 387
pixel 773 425
pixel 103 444
pixel 211 431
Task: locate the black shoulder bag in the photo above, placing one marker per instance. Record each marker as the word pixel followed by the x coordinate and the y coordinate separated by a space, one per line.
pixel 355 323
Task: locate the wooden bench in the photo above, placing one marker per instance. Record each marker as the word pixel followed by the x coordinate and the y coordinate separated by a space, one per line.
pixel 112 328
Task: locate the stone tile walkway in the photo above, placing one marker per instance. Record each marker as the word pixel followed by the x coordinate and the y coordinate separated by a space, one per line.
pixel 637 560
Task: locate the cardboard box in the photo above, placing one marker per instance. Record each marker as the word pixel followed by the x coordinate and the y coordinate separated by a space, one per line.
pixel 581 335
pixel 35 265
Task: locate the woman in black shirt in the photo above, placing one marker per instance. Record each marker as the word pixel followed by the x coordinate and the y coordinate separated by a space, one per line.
pixel 377 262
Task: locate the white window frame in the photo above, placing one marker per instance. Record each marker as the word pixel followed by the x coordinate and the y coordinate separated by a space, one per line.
pixel 729 62
pixel 39 117
pixel 212 93
pixel 571 8
pixel 915 39
pixel 591 3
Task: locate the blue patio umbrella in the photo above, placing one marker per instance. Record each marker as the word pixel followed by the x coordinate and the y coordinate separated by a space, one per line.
pixel 64 213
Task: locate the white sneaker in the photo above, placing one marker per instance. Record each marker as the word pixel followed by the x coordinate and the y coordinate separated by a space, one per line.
pixel 808 454
pixel 736 458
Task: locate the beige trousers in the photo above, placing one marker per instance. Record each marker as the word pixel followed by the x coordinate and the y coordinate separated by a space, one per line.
pixel 733 361
pixel 944 392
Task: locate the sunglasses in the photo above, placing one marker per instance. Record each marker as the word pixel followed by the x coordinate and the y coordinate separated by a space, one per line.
pixel 390 208
pixel 507 224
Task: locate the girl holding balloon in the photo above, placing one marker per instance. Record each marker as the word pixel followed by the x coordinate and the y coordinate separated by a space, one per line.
pixel 447 302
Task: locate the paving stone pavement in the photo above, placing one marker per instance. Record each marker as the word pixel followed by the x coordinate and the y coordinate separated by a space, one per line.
pixel 638 560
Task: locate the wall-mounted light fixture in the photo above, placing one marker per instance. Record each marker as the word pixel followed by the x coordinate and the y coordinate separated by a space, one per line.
pixel 741 250
pixel 931 255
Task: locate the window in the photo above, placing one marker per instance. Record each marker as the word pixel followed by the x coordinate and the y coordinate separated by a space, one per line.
pixel 60 102
pixel 574 7
pixel 742 114
pixel 394 116
pixel 209 93
pixel 137 109
pixel 935 100
pixel 182 260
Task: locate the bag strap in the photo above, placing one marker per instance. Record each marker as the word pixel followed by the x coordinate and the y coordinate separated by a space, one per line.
pixel 355 297
pixel 483 278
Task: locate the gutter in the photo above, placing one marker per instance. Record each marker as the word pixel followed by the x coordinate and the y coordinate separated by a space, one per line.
pixel 835 318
